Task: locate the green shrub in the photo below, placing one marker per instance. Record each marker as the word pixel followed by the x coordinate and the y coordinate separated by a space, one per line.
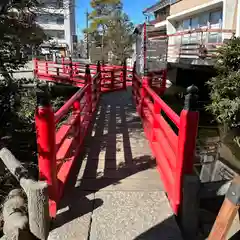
pixel 225 87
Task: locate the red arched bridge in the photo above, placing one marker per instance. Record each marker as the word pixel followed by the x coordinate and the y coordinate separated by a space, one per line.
pixel 112 148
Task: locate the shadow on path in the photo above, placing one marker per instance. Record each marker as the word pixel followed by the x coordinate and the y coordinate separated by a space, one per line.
pixel 114 150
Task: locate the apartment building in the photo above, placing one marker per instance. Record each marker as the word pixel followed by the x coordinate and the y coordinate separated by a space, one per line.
pixel 194 29
pixel 57 18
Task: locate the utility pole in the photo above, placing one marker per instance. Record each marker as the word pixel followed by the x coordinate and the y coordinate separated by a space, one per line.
pixel 87 19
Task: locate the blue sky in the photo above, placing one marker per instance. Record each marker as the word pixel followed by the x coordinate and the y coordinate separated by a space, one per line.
pixel 133 8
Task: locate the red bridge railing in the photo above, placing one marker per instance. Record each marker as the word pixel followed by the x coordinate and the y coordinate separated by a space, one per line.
pixel 68 72
pixel 60 144
pixel 173 147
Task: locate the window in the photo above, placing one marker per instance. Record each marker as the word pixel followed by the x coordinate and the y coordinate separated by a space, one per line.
pixel 51 19
pixel 203 20
pixel 179 26
pixel 186 24
pixel 60 34
pixel 43 19
pixel 60 20
pixel 55 34
pixel 51 3
pixel 60 3
pixel 194 23
pixel 215 17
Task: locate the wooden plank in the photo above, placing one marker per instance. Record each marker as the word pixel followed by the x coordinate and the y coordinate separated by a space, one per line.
pixel 227 212
pixel 224 221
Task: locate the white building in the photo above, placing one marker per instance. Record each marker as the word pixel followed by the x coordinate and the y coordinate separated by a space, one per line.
pixel 57 18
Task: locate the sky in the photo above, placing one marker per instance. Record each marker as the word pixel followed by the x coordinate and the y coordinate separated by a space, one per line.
pixel 133 8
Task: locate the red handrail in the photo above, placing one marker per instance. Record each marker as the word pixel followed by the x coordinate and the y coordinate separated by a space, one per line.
pixel 73 73
pixel 54 145
pixel 171 114
pixel 173 150
pixel 65 108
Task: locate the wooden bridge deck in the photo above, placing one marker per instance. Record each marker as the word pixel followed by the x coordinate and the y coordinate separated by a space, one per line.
pixel 115 191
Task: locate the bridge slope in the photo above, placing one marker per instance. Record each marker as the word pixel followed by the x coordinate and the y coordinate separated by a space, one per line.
pixel 118 193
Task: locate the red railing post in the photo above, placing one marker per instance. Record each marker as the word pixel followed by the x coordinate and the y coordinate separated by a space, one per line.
pixel 87 76
pixel 75 69
pixel 46 67
pixel 63 65
pixel 143 93
pixel 112 79
pixel 157 111
pixel 99 79
pixel 77 111
pixel 88 81
pixel 124 72
pixel 35 64
pixel 186 139
pixel 163 82
pixel 45 131
pixel 133 81
pixel 71 67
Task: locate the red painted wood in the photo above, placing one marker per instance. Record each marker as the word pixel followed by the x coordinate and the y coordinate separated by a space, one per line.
pixel 64 130
pixel 186 146
pixel 174 153
pixel 65 108
pixel 45 128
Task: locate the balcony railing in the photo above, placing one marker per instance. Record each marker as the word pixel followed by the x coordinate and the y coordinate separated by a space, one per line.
pixel 199 44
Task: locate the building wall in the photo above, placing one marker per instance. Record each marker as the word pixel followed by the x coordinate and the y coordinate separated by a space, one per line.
pixel 57 18
pixel 69 22
pixel 230 14
pixel 186 4
pixel 191 8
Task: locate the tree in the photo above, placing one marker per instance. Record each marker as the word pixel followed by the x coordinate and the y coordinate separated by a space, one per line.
pixel 225 87
pixel 100 17
pixel 120 38
pixel 18 31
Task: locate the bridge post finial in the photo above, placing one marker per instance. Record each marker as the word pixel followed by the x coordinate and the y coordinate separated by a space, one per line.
pixel 87 74
pixel 98 66
pixel 191 98
pixel 87 70
pixel 43 98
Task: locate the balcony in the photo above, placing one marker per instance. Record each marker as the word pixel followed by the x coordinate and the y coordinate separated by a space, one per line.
pixel 51 26
pixel 197 47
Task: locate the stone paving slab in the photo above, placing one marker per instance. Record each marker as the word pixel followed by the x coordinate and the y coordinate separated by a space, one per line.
pixel 74 217
pixel 126 184
pixel 133 215
pixel 127 173
pixel 119 162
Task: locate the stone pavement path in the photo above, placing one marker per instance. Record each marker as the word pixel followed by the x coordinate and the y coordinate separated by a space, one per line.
pixel 116 191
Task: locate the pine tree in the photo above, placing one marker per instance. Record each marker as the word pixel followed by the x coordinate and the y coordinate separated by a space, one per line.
pixel 111 28
pixel 120 38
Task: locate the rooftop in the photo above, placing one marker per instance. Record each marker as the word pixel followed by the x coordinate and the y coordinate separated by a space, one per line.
pixel 157 6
